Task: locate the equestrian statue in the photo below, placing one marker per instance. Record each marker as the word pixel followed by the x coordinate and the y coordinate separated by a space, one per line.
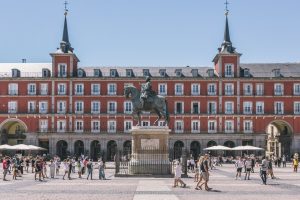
pixel 147 100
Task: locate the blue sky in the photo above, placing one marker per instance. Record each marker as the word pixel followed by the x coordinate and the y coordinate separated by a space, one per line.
pixel 150 32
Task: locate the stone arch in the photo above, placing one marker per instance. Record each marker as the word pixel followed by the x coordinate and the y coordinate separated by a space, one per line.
pixel 112 149
pixel 229 143
pixel 195 149
pixel 78 148
pixel 178 147
pixel 127 146
pixel 95 149
pixel 12 131
pixel 61 148
pixel 211 143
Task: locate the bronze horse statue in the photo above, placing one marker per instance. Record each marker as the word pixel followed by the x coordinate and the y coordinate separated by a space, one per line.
pixel 158 105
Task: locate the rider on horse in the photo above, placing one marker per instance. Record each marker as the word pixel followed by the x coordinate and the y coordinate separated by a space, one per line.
pixel 147 92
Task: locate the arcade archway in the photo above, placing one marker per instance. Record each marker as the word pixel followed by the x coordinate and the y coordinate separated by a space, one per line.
pixel 12 131
pixel 95 150
pixel 127 149
pixel 195 149
pixel 61 148
pixel 78 148
pixel 178 146
pixel 111 150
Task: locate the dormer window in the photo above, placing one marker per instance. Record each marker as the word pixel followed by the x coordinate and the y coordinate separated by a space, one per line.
pixel 276 72
pixel 211 73
pixel 246 72
pixel 62 70
pixel 45 73
pixel 178 72
pixel 128 72
pixel 80 73
pixel 97 73
pixel 113 73
pixel 146 72
pixel 162 72
pixel 15 73
pixel 195 73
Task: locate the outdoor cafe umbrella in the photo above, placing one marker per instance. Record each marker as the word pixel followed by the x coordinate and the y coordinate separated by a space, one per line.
pixel 217 148
pixel 5 147
pixel 247 148
pixel 32 147
pixel 21 147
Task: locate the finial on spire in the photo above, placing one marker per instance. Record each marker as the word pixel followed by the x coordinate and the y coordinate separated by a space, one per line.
pixel 226 8
pixel 66 9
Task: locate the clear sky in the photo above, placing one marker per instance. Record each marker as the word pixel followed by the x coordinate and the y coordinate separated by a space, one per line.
pixel 150 32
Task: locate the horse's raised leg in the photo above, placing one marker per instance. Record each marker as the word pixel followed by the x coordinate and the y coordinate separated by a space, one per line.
pixel 159 116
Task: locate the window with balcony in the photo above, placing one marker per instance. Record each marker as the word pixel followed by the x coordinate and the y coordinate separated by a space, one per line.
pixel 112 89
pixel 229 126
pixel 61 126
pixel 112 107
pixel 297 108
pixel 127 126
pixel 161 123
pixel 248 128
pixel 278 89
pixel 79 89
pixel 12 107
pixel 260 107
pixel 95 107
pixel 229 70
pixel 146 123
pixel 247 107
pixel 162 89
pixel 195 89
pixel 278 108
pixel 211 89
pixel 259 89
pixel 229 89
pixel 44 88
pixel 111 126
pixel 31 89
pixel 95 126
pixel 12 89
pixel 31 106
pixel 127 107
pixel 248 89
pixel 297 89
pixel 195 126
pixel 195 108
pixel 61 89
pixel 179 126
pixel 61 107
pixel 179 108
pixel 95 88
pixel 212 126
pixel 43 125
pixel 229 107
pixel 62 70
pixel 179 89
pixel 43 107
pixel 211 108
pixel 79 107
pixel 78 126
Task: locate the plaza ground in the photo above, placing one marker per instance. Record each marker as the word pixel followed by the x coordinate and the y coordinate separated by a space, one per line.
pixel 286 186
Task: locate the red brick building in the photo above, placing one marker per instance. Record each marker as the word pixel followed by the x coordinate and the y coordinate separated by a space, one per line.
pixel 72 110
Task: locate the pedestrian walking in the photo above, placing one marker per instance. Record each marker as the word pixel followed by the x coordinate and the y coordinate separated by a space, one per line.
pixel 101 169
pixel 200 178
pixel 295 164
pixel 66 168
pixel 263 170
pixel 89 169
pixel 52 168
pixel 5 168
pixel 177 175
pixel 248 165
pixel 204 173
pixel 79 165
pixel 283 161
pixel 239 167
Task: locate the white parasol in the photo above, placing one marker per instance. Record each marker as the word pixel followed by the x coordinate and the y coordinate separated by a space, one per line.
pixel 247 148
pixel 5 147
pixel 32 147
pixel 21 147
pixel 217 148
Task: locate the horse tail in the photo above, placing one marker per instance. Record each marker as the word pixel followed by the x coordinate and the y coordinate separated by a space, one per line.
pixel 167 113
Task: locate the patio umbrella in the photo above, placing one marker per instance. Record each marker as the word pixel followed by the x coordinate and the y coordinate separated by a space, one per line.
pixel 20 147
pixel 247 148
pixel 217 148
pixel 32 147
pixel 5 147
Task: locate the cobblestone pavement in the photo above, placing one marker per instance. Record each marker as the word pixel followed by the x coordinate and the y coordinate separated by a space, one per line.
pixel 286 185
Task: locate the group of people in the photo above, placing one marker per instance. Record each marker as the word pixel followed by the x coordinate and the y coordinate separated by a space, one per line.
pixel 39 166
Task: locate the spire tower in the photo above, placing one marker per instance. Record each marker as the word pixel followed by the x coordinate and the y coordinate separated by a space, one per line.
pixel 65 44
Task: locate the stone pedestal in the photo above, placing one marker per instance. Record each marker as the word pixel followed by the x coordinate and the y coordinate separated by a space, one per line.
pixel 150 151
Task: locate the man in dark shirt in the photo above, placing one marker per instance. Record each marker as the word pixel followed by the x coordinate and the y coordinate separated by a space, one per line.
pixel 204 172
pixel 70 169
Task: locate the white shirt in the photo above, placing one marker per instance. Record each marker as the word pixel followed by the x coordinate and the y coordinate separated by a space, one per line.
pixel 248 164
pixel 178 171
pixel 239 164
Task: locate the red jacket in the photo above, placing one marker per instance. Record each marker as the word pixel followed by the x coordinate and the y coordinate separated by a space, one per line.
pixel 4 164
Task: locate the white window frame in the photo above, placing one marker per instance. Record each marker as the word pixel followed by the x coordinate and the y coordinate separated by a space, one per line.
pixel 257 104
pixel 198 126
pixel 195 93
pixel 226 72
pixel 97 110
pixel 44 88
pixel 179 85
pixel 125 126
pixel 93 92
pixel 226 128
pixel 177 130
pixel 33 110
pixel 63 126
pixel 215 110
pixel 246 91
pixel 296 89
pixel 247 107
pixel 228 112
pixel 43 125
pixel 192 107
pixel 63 109
pixel 31 89
pixel 77 89
pixel 12 107
pixel 279 111
pixel 231 91
pixel 108 126
pixel 159 89
pixel 215 126
pixel 111 92
pixel 93 127
pixel 277 91
pixel 108 107
pixel 78 129
pixel 76 108
pixel 45 110
pixel 59 73
pixel 144 122
pixel 13 89
pixel 246 130
pixel 182 107
pixel 259 89
pixel 64 85
pixel 161 123
pixel 297 107
pixel 126 103
pixel 209 89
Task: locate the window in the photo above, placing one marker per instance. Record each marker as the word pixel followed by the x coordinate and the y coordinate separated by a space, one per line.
pixel 162 72
pixel 127 126
pixel 296 89
pixel 31 89
pixel 146 72
pixel 247 107
pixel 195 108
pixel 79 107
pixel 61 126
pixel 229 107
pixel 277 72
pixel 112 107
pixel 248 126
pixel 195 89
pixel 129 73
pixel 111 126
pixel 112 89
pixel 31 106
pixel 44 89
pixel 61 107
pixel 247 89
pixel 13 89
pixel 278 89
pixel 297 107
pixel 97 73
pixel 95 89
pixel 259 89
pixel 43 125
pixel 195 126
pixel 278 108
pixel 178 89
pixel 211 89
pixel 95 107
pixel 113 73
pixel 229 70
pixel 79 89
pixel 211 108
pixel 195 72
pixel 229 126
pixel 62 70
pixel 79 126
pixel 179 108
pixel 61 89
pixel 12 107
pixel 246 72
pixel 162 89
pixel 178 72
pixel 145 123
pixel 212 126
pixel 95 125
pixel 161 123
pixel 43 107
pixel 260 107
pixel 229 89
pixel 178 126
pixel 128 107
pixel 211 73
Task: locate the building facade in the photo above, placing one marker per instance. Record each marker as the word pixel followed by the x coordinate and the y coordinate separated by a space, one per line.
pixel 82 110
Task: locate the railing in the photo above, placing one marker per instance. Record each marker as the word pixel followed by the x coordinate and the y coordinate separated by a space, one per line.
pixel 229 92
pixel 278 92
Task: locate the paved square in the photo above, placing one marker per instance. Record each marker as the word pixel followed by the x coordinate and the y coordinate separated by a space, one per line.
pixel 286 186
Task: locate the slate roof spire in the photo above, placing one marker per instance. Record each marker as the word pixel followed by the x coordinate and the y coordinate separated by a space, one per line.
pixel 65 44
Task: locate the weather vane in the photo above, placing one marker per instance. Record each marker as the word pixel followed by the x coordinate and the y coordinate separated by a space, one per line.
pixel 66 9
pixel 226 8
